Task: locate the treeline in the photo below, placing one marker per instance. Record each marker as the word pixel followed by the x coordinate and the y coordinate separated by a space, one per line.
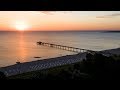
pixel 102 67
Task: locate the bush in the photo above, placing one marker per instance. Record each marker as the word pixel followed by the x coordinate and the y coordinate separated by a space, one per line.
pixel 2 75
pixel 102 67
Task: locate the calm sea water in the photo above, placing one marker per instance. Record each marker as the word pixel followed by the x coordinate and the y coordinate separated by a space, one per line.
pixel 21 46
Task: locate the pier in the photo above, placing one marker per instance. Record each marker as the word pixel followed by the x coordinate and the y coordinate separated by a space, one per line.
pixel 62 47
pixel 20 68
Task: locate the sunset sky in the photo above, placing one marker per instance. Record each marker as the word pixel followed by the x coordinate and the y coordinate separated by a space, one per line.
pixel 59 20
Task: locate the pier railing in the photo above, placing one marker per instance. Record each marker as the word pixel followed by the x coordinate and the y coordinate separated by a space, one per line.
pixel 72 49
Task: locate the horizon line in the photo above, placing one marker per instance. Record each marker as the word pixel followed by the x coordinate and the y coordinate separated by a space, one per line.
pixel 52 30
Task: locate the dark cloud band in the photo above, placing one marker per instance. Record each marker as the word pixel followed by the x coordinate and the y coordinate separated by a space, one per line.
pixel 109 16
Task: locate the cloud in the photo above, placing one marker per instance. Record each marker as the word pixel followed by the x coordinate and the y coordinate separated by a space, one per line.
pixel 47 12
pixel 109 16
pixel 101 17
pixel 52 12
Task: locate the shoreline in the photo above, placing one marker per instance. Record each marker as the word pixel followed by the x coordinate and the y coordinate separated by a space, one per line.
pixel 42 64
pixel 50 62
pixel 115 51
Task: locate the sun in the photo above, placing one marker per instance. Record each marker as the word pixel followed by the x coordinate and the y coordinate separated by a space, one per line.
pixel 21 26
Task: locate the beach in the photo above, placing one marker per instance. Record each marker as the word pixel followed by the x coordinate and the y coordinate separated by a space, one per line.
pixel 51 62
pixel 42 64
pixel 115 51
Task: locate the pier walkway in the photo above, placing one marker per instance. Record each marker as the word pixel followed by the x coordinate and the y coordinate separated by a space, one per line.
pixel 72 49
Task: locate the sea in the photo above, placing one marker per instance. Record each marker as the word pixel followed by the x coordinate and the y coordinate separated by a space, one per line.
pixel 16 46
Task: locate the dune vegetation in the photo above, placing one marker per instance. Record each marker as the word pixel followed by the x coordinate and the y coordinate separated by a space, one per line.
pixel 94 67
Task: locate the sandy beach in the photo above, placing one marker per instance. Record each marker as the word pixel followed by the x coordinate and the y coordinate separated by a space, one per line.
pixel 51 62
pixel 109 52
pixel 42 64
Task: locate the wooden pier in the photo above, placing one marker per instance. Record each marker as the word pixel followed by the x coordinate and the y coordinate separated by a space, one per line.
pixel 72 49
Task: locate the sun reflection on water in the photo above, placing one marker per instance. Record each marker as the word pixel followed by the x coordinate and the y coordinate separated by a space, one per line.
pixel 22 50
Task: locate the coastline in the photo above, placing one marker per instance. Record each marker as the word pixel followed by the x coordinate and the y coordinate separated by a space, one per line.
pixel 115 51
pixel 117 31
pixel 42 64
pixel 51 62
